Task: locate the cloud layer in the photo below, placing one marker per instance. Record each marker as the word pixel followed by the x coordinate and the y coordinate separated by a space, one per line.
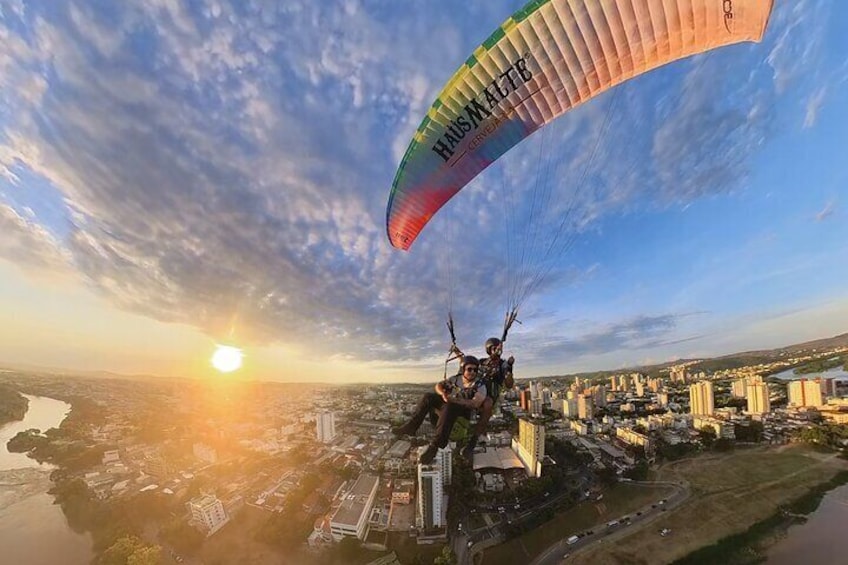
pixel 227 165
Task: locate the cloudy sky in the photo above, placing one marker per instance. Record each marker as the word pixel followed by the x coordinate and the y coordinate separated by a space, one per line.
pixel 179 174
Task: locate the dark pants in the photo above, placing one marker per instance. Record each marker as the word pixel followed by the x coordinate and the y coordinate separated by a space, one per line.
pixel 432 404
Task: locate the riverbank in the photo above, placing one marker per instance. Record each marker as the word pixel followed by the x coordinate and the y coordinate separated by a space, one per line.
pixel 18 484
pixel 729 493
pixel 32 528
pixel 13 405
pixel 751 546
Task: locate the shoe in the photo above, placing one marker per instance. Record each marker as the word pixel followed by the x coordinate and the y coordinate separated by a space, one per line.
pixel 428 455
pixel 468 450
pixel 404 430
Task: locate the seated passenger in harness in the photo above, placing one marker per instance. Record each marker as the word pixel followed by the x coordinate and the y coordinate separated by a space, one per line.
pixel 496 373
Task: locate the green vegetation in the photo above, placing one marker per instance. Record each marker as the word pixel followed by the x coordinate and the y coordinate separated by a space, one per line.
pixel 746 547
pixel 13 406
pixel 129 550
pixel 821 365
pixel 826 435
pixel 446 558
pixel 669 452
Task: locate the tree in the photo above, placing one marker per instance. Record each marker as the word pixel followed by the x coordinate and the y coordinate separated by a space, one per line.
pixel 148 555
pixel 446 558
pixel 707 436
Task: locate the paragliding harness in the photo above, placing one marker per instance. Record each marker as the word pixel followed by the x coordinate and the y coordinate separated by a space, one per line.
pixel 454 352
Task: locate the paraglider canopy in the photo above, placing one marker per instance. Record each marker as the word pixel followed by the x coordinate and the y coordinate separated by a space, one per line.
pixel 549 57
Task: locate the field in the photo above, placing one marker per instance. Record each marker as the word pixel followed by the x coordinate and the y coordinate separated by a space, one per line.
pixel 729 492
pixel 622 499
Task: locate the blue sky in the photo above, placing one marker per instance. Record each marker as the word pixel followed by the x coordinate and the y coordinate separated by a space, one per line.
pixel 221 170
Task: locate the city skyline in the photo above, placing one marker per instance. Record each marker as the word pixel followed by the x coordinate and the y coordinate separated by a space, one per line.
pixel 173 178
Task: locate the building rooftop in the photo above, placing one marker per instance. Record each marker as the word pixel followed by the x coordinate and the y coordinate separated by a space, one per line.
pixel 497 458
pixel 354 503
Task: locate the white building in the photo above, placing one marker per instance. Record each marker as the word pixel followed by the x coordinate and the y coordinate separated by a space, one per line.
pixel 207 513
pixel 325 426
pixel 351 517
pixel 444 459
pixel 430 495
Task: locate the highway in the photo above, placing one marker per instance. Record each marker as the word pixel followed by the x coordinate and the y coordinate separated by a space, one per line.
pixel 624 525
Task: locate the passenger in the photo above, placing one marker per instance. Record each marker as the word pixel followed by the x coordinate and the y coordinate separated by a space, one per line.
pixel 456 396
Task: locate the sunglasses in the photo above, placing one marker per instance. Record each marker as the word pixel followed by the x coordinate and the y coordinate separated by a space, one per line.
pixel 471 369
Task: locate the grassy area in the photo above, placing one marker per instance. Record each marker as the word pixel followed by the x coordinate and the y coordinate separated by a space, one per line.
pixel 620 500
pixel 730 492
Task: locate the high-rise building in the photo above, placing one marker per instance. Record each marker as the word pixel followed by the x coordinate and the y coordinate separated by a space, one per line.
pixel 701 398
pixel 430 494
pixel 325 426
pixel 207 512
pixel 524 400
pixel 739 388
pixel 530 446
pixel 640 389
pixel 585 407
pixel 444 459
pixel 536 406
pixel 828 386
pixel 662 398
pixel 599 393
pixel 569 408
pixel 624 382
pixel 758 398
pixel 805 393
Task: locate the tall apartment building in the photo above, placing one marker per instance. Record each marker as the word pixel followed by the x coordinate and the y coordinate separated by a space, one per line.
pixel 430 496
pixel 739 388
pixel 599 393
pixel 207 513
pixel 569 408
pixel 524 400
pixel 585 407
pixel 758 398
pixel 530 446
pixel 702 398
pixel 325 426
pixel 805 393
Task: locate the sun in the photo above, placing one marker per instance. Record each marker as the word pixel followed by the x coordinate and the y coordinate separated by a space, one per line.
pixel 227 358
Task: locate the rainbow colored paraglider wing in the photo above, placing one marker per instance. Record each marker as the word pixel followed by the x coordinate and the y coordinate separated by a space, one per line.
pixel 548 58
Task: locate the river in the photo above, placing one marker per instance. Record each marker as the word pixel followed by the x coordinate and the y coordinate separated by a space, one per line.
pixel 837 373
pixel 33 530
pixel 821 540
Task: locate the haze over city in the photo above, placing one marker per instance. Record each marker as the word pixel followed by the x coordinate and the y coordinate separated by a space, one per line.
pixel 180 176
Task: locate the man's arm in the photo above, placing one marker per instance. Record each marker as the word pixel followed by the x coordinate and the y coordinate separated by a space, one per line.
pixel 509 381
pixel 475 402
pixel 442 388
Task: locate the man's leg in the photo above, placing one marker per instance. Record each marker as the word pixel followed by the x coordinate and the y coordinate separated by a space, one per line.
pixel 429 402
pixel 483 415
pixel 447 417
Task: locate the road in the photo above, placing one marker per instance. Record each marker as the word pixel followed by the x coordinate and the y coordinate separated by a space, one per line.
pixel 602 533
pixel 508 513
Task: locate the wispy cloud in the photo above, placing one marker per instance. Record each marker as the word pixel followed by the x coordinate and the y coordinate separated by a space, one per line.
pixel 827 211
